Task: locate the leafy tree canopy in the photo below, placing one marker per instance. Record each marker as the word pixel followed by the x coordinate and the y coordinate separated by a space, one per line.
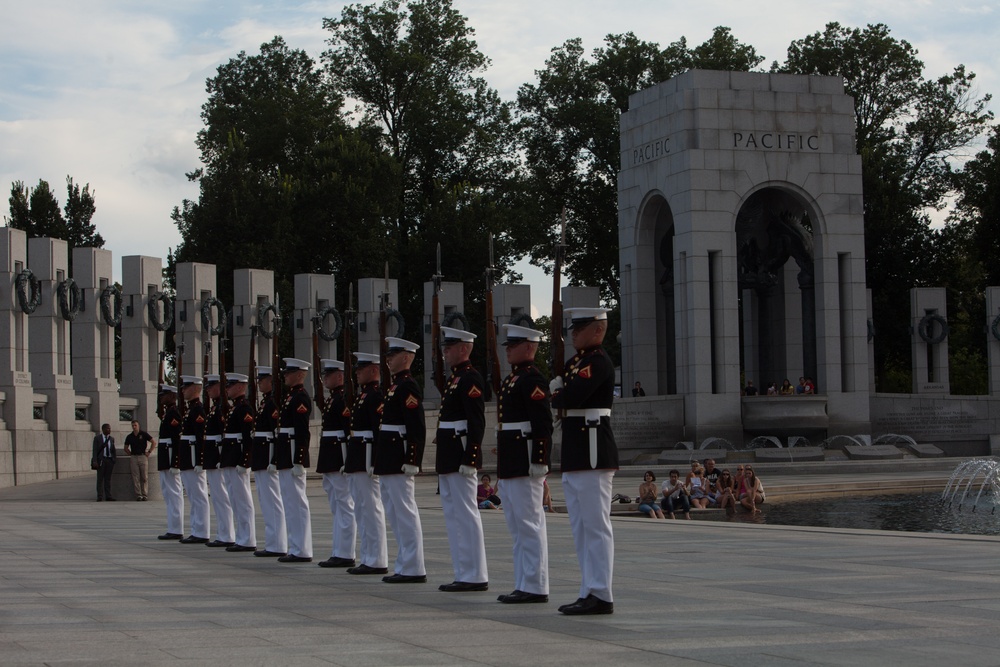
pixel 36 211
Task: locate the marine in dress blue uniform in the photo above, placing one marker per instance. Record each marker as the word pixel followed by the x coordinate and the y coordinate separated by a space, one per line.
pixel 524 442
pixel 585 393
pixel 291 458
pixel 191 458
pixel 398 454
pixel 168 442
pixel 460 429
pixel 217 491
pixel 360 470
pixel 330 464
pixel 237 443
pixel 265 473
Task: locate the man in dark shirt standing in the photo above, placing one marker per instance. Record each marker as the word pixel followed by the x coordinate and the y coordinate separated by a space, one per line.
pixel 103 461
pixel 139 445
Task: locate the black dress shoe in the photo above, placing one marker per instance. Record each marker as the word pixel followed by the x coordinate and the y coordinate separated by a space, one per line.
pixel 169 536
pixel 112 499
pixel 217 543
pixel 191 539
pixel 290 558
pixel 520 597
pixel 99 499
pixel 367 569
pixel 240 547
pixel 588 606
pixel 405 579
pixel 138 498
pixel 464 587
pixel 337 561
pixel 578 601
pixel 264 553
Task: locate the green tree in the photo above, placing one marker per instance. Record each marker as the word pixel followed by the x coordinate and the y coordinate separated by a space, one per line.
pixel 415 71
pixel 36 211
pixel 909 130
pixel 286 184
pixel 569 122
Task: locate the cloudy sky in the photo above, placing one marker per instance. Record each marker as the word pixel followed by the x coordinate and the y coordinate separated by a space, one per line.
pixel 110 91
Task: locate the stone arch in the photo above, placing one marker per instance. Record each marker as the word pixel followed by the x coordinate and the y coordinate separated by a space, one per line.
pixel 777 226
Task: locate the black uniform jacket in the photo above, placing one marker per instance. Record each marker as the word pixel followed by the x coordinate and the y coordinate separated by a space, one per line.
pixel 589 382
pixel 462 401
pixel 170 430
pixel 267 422
pixel 194 424
pixel 238 440
pixel 336 417
pixel 524 397
pixel 403 407
pixel 365 416
pixel 293 448
pixel 216 426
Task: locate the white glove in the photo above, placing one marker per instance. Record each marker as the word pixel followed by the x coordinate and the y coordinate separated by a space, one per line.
pixel 538 470
pixel 241 470
pixel 410 470
pixel 343 470
pixel 555 384
pixel 371 471
pixel 198 469
pixel 175 471
pixel 272 468
pixel 557 424
pixel 468 471
pixel 298 470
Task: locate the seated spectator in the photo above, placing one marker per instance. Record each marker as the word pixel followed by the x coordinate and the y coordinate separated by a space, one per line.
pixel 647 496
pixel 637 390
pixel 486 495
pixel 800 388
pixel 772 389
pixel 751 491
pixel 675 496
pixel 698 489
pixel 750 390
pixel 786 388
pixel 810 386
pixel 712 475
pixel 725 496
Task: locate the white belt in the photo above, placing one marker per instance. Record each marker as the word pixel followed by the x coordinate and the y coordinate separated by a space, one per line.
pixel 362 434
pixel 189 438
pixel 290 430
pixel 395 428
pixel 590 414
pixel 523 427
pixel 166 441
pixel 213 438
pixel 332 434
pixel 263 434
pixel 455 426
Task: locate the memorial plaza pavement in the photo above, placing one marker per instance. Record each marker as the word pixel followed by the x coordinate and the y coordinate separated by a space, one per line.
pixel 87 583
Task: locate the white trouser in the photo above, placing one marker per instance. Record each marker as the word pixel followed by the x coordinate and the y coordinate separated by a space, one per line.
pixel 197 493
pixel 173 496
pixel 522 508
pixel 338 492
pixel 298 523
pixel 401 510
pixel 465 527
pixel 269 494
pixel 244 516
pixel 371 519
pixel 221 504
pixel 588 503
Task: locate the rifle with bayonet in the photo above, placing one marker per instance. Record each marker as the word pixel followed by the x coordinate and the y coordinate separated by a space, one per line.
pixel 223 400
pixel 206 361
pixel 252 370
pixel 181 403
pixel 346 355
pixel 276 356
pixel 436 354
pixel 318 394
pixel 556 342
pixel 161 378
pixel 493 372
pixel 383 317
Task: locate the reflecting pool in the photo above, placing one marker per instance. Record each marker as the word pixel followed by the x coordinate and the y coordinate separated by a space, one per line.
pixel 924 512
